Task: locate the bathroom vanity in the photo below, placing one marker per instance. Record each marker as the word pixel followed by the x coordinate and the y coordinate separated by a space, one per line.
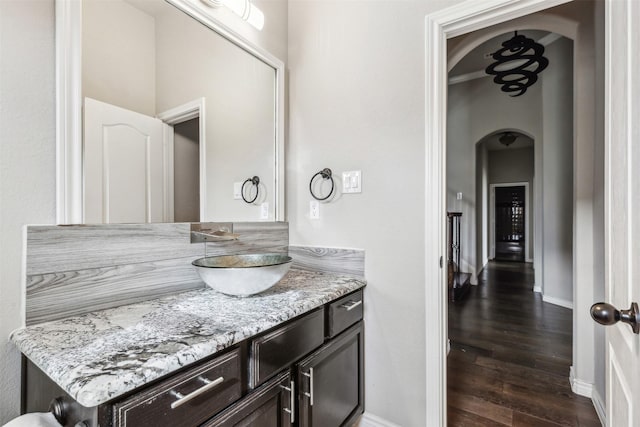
pixel 291 356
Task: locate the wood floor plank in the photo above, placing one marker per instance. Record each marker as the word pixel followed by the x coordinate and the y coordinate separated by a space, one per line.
pixel 461 418
pixel 510 356
pixel 481 407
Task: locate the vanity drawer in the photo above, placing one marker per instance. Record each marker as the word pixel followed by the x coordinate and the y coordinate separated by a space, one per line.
pixel 278 349
pixel 195 395
pixel 343 313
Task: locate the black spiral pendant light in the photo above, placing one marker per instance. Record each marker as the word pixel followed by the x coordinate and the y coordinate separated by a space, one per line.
pixel 517 64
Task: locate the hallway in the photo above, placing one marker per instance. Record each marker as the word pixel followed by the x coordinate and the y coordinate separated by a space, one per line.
pixel 510 356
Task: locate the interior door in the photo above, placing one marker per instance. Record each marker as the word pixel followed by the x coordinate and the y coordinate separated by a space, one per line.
pixel 126 162
pixel 622 206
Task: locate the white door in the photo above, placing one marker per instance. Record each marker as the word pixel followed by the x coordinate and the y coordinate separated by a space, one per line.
pixel 125 165
pixel 622 206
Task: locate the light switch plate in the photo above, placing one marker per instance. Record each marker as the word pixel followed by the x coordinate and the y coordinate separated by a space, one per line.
pixel 314 209
pixel 264 210
pixel 237 190
pixel 352 182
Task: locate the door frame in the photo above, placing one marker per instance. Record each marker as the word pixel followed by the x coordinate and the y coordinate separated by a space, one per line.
pixel 439 26
pixel 492 217
pixel 180 114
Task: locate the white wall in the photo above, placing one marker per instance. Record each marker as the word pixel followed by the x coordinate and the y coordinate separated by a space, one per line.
pixel 118 55
pixel 357 103
pixel 557 176
pixel 27 162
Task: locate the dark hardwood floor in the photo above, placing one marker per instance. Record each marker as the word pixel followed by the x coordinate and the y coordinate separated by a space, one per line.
pixel 510 356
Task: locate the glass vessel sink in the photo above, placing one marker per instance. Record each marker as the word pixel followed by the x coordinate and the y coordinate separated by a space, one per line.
pixel 242 275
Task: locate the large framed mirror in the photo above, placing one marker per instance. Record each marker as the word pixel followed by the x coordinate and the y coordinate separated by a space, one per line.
pixel 163 114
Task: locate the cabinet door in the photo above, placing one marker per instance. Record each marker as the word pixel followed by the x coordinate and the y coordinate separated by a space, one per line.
pixel 331 382
pixel 268 406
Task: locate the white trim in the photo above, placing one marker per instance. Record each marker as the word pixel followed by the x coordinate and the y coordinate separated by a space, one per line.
pixel 370 420
pixel 558 301
pixel 529 260
pixel 492 217
pixel 69 158
pixel 450 22
pixel 537 289
pixel 182 113
pixel 168 173
pixel 598 403
pixel 467 77
pixel 580 387
pixel 69 182
pixel 549 38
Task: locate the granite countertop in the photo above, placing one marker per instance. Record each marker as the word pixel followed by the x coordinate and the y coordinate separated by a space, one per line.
pixel 99 356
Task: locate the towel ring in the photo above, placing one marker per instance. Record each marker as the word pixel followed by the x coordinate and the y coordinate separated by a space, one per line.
pixel 255 181
pixel 325 174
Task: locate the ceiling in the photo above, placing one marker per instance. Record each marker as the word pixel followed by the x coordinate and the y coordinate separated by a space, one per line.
pixel 492 143
pixel 475 60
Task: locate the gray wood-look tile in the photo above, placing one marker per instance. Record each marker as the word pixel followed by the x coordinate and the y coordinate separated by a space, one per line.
pixel 342 261
pixel 82 268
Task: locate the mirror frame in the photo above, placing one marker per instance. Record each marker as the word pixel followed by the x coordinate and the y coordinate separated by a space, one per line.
pixel 69 146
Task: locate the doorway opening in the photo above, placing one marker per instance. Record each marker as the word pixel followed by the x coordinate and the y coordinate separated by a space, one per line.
pixel 509 234
pixel 497 182
pixel 186 171
pixel 458 21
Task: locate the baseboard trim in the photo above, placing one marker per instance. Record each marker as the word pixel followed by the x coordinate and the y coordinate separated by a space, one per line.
pixel 557 301
pixel 370 420
pixel 537 288
pixel 580 387
pixel 599 404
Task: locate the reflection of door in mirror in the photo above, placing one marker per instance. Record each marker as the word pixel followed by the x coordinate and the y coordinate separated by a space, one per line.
pixel 124 157
pixel 151 58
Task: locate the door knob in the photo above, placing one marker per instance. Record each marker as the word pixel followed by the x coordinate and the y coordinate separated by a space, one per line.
pixel 606 314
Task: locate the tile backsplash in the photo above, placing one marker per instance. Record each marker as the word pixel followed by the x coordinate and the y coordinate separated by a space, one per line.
pixel 77 269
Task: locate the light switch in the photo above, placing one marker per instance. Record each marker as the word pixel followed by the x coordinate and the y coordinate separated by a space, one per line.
pixel 237 190
pixel 352 182
pixel 459 196
pixel 264 210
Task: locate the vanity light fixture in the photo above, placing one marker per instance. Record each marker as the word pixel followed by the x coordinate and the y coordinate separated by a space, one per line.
pixel 243 8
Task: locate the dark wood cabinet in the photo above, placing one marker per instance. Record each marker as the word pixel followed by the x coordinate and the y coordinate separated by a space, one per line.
pixel 185 399
pixel 305 372
pixel 331 382
pixel 270 405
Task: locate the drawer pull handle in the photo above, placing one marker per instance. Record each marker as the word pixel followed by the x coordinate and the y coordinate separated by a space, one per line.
pixel 310 376
pixel 208 385
pixel 292 401
pixel 351 305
